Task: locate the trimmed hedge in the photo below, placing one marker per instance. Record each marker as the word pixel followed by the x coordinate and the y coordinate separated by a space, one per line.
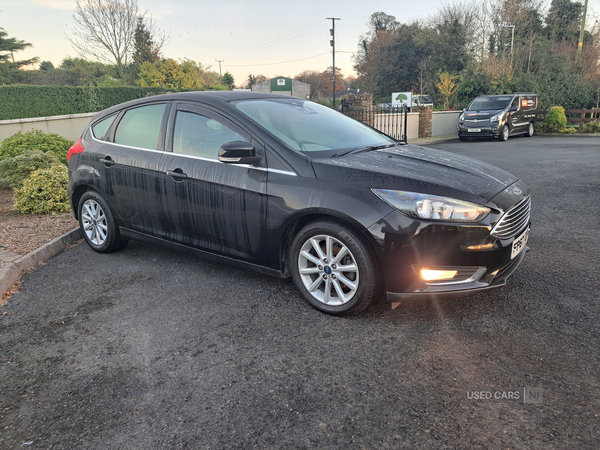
pixel 24 101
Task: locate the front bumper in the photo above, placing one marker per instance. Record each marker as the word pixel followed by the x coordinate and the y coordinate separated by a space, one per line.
pixel 405 245
pixel 486 131
pixel 464 290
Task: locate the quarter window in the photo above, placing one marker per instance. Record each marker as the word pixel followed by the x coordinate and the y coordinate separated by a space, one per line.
pixel 100 128
pixel 140 127
pixel 198 135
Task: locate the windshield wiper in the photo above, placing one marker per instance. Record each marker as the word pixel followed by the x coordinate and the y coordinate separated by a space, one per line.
pixel 368 148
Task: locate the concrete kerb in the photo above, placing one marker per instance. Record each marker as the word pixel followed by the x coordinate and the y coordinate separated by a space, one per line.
pixel 12 271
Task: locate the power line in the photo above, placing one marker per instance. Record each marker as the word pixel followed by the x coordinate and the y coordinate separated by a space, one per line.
pixel 274 41
pixel 271 64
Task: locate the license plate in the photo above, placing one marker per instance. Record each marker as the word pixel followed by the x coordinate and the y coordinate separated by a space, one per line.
pixel 474 130
pixel 519 243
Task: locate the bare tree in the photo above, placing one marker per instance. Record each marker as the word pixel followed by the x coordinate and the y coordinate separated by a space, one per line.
pixel 105 30
pixel 424 75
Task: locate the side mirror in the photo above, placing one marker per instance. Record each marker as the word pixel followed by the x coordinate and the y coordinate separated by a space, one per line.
pixel 238 152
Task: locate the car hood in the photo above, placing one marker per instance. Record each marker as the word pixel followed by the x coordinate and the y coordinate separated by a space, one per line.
pixel 417 169
pixel 471 115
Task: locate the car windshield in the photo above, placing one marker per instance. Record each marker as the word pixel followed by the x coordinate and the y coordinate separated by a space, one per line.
pixel 489 103
pixel 426 99
pixel 311 128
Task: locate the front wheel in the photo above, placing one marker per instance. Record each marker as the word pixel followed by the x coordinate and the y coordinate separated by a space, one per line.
pixel 333 268
pixel 531 129
pixel 504 133
pixel 100 230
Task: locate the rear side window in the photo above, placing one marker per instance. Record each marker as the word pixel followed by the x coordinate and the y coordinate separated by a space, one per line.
pixel 100 128
pixel 528 103
pixel 140 127
pixel 198 135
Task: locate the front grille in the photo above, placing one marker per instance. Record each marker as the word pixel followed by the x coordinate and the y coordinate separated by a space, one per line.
pixel 478 123
pixel 514 220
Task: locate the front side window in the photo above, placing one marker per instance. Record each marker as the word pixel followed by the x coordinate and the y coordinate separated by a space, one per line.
pixel 140 127
pixel 515 104
pixel 201 136
pixel 101 127
pixel 311 128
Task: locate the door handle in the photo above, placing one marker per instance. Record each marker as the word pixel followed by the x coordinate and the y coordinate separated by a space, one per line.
pixel 107 161
pixel 176 174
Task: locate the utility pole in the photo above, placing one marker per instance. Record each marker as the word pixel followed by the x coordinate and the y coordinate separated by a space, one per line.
pixel 512 43
pixel 582 32
pixel 220 61
pixel 332 42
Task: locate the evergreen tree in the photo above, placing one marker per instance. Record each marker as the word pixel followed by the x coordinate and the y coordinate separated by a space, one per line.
pixel 228 80
pixel 144 49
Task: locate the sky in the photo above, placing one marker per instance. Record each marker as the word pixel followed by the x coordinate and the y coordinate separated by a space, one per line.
pixel 272 38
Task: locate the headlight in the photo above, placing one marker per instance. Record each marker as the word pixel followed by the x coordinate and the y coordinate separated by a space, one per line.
pixel 461 119
pixel 496 118
pixel 432 207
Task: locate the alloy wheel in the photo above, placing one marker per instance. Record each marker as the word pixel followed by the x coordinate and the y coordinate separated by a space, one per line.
pixel 328 270
pixel 94 222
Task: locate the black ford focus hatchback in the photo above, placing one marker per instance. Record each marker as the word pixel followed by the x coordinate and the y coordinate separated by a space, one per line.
pixel 288 187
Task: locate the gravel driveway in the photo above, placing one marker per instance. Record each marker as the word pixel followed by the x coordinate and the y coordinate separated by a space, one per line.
pixel 151 349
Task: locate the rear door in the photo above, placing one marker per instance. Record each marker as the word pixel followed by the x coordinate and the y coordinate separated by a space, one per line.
pixel 211 205
pixel 131 163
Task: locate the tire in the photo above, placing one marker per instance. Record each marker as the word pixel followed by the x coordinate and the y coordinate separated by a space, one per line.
pixel 463 139
pixel 98 225
pixel 530 129
pixel 316 270
pixel 504 133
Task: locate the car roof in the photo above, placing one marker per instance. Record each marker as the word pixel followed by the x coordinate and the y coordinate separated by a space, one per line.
pixel 214 98
pixel 506 95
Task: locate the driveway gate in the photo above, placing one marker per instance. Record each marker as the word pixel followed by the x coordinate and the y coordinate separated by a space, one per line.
pixel 391 121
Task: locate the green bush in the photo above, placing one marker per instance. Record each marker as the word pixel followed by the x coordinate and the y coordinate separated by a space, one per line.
pixel 35 140
pixel 15 170
pixel 44 192
pixel 592 127
pixel 556 120
pixel 569 130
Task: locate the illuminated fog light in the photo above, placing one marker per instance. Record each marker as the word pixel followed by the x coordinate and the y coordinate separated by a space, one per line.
pixel 437 275
pixel 480 247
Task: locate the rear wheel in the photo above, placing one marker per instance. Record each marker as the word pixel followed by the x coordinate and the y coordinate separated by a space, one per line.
pixel 98 224
pixel 530 129
pixel 504 133
pixel 334 268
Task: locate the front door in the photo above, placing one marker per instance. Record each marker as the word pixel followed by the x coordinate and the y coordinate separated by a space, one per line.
pixel 211 205
pixel 516 116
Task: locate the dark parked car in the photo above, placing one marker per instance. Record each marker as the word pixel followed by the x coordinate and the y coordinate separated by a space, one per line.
pixel 288 187
pixel 499 116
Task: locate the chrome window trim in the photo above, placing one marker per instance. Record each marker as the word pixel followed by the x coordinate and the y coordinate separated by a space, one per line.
pixel 264 169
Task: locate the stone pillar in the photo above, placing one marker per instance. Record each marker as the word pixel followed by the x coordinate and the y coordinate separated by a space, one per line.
pixel 362 108
pixel 425 116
